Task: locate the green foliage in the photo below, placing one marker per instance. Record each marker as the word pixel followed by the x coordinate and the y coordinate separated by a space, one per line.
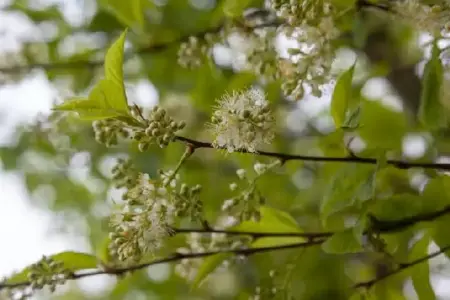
pixel 420 274
pixel 431 111
pixel 73 261
pixel 343 242
pixel 272 220
pixel 114 68
pixel 234 8
pixel 342 98
pixel 130 13
pixel 108 98
pixel 376 119
pixel 208 266
pixel 351 185
pixel 306 216
pixel 105 101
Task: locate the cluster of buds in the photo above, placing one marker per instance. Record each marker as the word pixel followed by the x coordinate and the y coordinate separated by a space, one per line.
pixel 160 129
pixel 242 121
pixel 124 173
pixel 108 131
pixel 194 51
pixel 47 272
pixel 268 290
pixel 205 242
pixel 244 206
pixel 188 203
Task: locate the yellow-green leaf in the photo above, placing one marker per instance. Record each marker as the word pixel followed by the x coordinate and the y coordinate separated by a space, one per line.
pixel 343 242
pixel 342 97
pixel 431 112
pixel 104 102
pixel 114 70
pixel 276 241
pixel 73 261
pixel 108 94
pixel 235 8
pixel 420 273
pixel 208 266
pixel 129 13
pixel 272 220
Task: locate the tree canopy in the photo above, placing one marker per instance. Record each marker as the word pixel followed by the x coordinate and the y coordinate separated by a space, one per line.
pixel 294 149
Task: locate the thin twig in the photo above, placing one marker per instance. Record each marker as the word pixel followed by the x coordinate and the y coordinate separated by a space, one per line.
pixel 345 159
pixel 401 267
pixel 378 226
pixel 173 258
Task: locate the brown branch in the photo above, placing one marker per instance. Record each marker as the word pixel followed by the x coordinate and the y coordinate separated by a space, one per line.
pixel 401 267
pixel 173 258
pixel 347 159
pixel 313 239
pixel 377 226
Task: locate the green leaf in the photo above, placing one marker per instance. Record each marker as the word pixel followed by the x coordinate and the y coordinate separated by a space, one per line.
pixel 276 241
pixel 235 8
pixel 420 273
pixel 272 220
pixel 437 193
pixel 114 70
pixel 342 97
pixel 104 102
pixel 73 261
pixel 376 119
pixel 343 242
pixel 352 182
pixel 431 111
pixel 208 266
pixel 397 207
pixel 360 30
pixel 130 13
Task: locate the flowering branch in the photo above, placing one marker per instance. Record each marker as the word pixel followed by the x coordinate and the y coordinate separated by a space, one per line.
pixel 401 267
pixel 157 47
pixel 173 258
pixel 348 159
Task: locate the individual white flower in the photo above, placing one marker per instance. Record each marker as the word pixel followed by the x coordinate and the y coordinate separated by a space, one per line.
pixel 242 120
pixel 141 191
pixel 158 229
pixel 241 173
pixel 260 168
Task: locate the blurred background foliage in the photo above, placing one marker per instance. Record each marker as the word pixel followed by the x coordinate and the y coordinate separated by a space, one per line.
pixel 68 173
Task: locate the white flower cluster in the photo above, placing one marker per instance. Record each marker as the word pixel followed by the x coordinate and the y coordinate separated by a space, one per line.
pixel 242 120
pixel 312 26
pixel 432 19
pixel 144 221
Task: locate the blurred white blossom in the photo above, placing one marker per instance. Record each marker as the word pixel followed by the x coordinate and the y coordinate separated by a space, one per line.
pixel 242 120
